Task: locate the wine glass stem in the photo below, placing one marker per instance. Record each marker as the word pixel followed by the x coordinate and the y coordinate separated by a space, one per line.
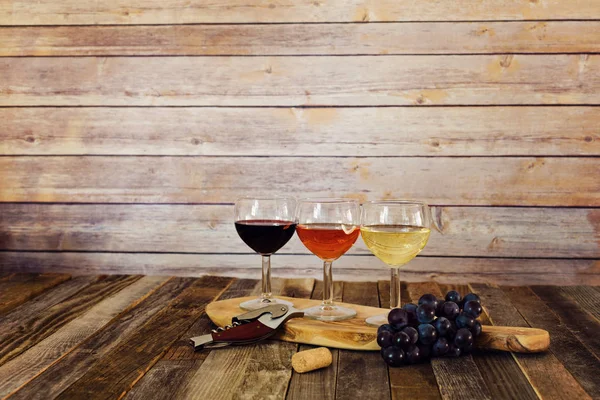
pixel 327 283
pixel 395 288
pixel 266 278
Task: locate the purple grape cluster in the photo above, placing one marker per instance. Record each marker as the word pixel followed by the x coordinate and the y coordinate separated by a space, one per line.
pixel 432 328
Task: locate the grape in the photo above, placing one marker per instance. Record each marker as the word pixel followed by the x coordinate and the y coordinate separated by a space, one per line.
pixel 452 331
pixel 424 351
pixel 429 299
pixel 467 349
pixel 450 310
pixel 412 334
pixel 427 334
pixel 425 313
pixel 440 347
pixel 453 296
pixel 398 318
pixel 402 340
pixel 476 329
pixel 469 297
pixel 442 326
pixel 463 337
pixel 453 350
pixel 385 327
pixel 473 308
pixel 413 355
pixel 439 309
pixel 393 356
pixel 465 321
pixel 385 339
pixel 411 310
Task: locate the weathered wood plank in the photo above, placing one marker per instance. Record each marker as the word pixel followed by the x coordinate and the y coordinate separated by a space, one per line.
pixel 319 384
pixel 15 339
pixel 463 231
pixel 169 376
pixel 75 364
pixel 72 12
pixel 115 373
pixel 361 375
pixel 19 288
pixel 457 378
pixel 587 297
pixel 450 181
pixel 254 371
pixel 501 373
pixel 582 364
pixel 393 131
pixel 301 81
pixel 583 324
pixel 294 39
pixel 35 360
pixel 545 372
pixel 350 268
pixel 410 382
pixel 44 301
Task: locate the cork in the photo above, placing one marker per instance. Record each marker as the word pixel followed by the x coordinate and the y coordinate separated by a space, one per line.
pixel 309 360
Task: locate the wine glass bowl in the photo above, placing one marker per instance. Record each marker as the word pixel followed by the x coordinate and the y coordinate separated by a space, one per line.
pixel 328 228
pixel 265 225
pixel 395 231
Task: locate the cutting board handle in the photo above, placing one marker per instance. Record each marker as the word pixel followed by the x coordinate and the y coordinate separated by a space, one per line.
pixel 508 338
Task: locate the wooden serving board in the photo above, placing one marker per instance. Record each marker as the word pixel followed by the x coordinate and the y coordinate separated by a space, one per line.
pixel 354 334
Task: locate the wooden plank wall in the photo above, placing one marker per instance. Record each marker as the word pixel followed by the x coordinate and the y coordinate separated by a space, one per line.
pixel 127 129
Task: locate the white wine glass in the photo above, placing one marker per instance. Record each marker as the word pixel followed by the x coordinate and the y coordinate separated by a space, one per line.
pixel 395 231
pixel 265 225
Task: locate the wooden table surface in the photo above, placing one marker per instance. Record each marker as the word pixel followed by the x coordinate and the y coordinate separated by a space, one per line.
pixel 127 336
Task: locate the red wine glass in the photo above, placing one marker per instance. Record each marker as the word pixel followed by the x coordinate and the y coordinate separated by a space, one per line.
pixel 265 225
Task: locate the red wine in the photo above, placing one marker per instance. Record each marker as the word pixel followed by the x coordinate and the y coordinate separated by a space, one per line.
pixel 265 236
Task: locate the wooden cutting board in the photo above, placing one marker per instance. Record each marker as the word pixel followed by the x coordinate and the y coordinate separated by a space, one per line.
pixel 354 334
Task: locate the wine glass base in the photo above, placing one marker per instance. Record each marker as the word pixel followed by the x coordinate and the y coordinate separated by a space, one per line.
pixel 377 320
pixel 329 313
pixel 260 303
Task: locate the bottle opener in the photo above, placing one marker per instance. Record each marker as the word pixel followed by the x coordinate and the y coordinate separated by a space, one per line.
pixel 247 328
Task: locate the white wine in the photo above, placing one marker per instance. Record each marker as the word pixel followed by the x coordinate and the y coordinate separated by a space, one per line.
pixel 395 245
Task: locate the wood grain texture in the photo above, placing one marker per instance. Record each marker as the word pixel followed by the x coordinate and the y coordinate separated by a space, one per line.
pixel 115 373
pixel 352 268
pixel 500 371
pixel 169 376
pixel 256 371
pixel 300 39
pixel 44 301
pixel 587 297
pixel 465 181
pixel 38 358
pixel 410 382
pixel 583 325
pixel 543 370
pixel 393 131
pixel 301 81
pixel 461 231
pixel 18 288
pixel 582 364
pixel 360 374
pixel 75 364
pixel 15 340
pixel 319 384
pixel 50 12
pixel 457 378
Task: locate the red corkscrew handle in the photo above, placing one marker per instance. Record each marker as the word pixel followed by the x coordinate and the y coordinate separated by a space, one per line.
pixel 243 334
